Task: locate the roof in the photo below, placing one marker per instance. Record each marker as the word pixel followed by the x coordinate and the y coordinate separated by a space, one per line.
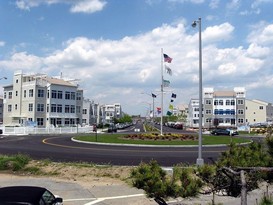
pixel 21 194
pixel 57 81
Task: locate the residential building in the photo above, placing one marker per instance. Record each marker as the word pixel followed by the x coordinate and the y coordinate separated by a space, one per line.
pixel 109 112
pixel 224 108
pixel 258 111
pixel 1 110
pixel 91 113
pixel 193 115
pixel 40 100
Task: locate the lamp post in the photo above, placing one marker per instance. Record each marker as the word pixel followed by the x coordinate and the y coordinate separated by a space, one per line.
pixel 199 160
pixel 153 96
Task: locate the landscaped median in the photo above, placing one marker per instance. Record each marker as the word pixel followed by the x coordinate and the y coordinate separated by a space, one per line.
pixel 155 139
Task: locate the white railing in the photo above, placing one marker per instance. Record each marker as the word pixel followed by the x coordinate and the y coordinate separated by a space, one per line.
pixel 48 130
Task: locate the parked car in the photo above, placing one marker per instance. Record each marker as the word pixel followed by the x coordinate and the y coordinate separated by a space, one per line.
pixel 112 128
pixel 224 132
pixel 30 195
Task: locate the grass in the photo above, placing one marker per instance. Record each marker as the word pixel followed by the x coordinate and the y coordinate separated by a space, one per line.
pixel 118 139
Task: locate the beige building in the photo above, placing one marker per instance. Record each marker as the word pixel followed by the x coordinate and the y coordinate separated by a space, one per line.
pixel 258 111
pixel 40 100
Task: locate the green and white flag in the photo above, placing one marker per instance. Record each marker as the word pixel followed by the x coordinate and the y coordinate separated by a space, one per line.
pixel 166 83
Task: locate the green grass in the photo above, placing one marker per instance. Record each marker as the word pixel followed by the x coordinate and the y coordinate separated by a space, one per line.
pixel 117 139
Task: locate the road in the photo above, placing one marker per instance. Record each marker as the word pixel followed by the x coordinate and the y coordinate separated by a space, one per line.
pixel 62 148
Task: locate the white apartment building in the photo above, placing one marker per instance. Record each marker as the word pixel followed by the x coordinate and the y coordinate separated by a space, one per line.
pixel 109 112
pixel 42 101
pixel 193 113
pixel 258 111
pixel 224 108
pixel 91 113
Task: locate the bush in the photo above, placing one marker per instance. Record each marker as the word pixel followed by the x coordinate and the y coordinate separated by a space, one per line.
pixel 14 163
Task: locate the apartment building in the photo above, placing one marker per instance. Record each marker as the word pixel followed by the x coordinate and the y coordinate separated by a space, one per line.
pixel 224 108
pixel 111 111
pixel 40 100
pixel 91 113
pixel 1 110
pixel 258 111
pixel 193 113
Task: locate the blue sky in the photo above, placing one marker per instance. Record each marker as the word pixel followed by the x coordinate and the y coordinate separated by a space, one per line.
pixel 114 46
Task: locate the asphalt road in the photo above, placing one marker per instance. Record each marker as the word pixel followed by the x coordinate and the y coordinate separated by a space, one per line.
pixel 62 148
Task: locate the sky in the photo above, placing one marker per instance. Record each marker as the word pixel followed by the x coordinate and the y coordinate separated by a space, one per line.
pixel 114 47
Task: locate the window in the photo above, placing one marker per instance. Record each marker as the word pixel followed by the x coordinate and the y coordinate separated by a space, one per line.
pixel 10 95
pixel 208 102
pixel 227 102
pixel 40 121
pixel 216 102
pixel 232 102
pixel 40 107
pixel 5 95
pixel 208 111
pixel 261 107
pixel 29 119
pixel 73 96
pixel 240 120
pixel 41 93
pixel 72 109
pixel 67 108
pixel 240 112
pixel 59 108
pixel 54 94
pixel 59 121
pixel 240 102
pixel 16 81
pixel 84 111
pixel 53 108
pixel 47 107
pixel 67 95
pixel 79 96
pixel 221 102
pixel 84 121
pixel 66 121
pixel 78 109
pixel 30 93
pixel 60 94
pixel 208 120
pixel 16 93
pixel 30 107
pixel 9 108
pixel 15 106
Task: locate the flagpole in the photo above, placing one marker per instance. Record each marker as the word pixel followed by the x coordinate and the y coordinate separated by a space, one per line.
pixel 161 124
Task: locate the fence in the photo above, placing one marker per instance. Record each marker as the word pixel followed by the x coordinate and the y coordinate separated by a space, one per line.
pixel 48 130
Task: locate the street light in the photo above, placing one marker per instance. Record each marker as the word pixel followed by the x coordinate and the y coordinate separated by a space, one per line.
pixel 199 160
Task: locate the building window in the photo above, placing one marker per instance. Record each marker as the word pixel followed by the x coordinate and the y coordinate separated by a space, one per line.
pixel 9 108
pixel 30 107
pixel 67 108
pixel 232 102
pixel 79 96
pixel 216 102
pixel 240 102
pixel 60 94
pixel 261 107
pixel 78 109
pixel 240 120
pixel 5 95
pixel 221 102
pixel 84 111
pixel 59 121
pixel 67 95
pixel 40 107
pixel 15 106
pixel 59 108
pixel 73 96
pixel 16 93
pixel 208 111
pixel 53 108
pixel 40 121
pixel 29 119
pixel 54 94
pixel 25 93
pixel 72 109
pixel 10 95
pixel 66 121
pixel 208 102
pixel 208 120
pixel 16 80
pixel 227 102
pixel 240 112
pixel 41 93
pixel 84 121
pixel 30 93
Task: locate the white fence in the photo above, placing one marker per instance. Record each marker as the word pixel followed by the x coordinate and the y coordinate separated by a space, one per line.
pixel 49 130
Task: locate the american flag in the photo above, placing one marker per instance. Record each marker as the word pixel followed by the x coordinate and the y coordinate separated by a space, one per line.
pixel 167 58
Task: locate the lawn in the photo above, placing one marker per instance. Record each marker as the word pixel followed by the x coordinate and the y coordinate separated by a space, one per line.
pixel 118 139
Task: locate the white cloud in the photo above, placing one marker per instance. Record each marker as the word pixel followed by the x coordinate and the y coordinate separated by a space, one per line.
pixel 117 70
pixel 84 6
pixel 261 34
pixel 214 4
pixel 2 43
pixel 184 1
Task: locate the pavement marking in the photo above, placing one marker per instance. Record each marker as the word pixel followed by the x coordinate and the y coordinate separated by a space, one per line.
pixel 82 199
pixel 113 197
